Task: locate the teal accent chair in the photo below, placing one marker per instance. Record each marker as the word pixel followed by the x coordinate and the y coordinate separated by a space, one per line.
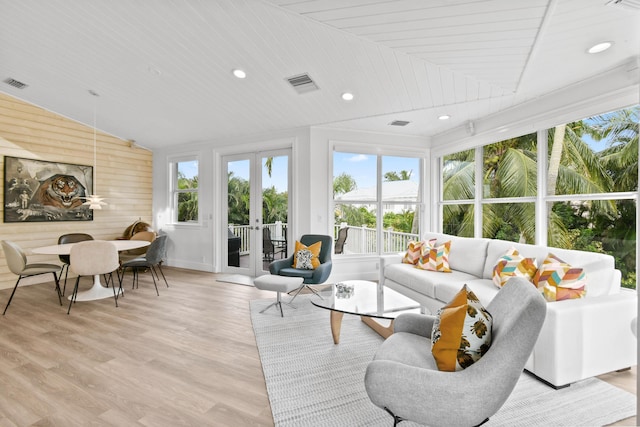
pixel 283 267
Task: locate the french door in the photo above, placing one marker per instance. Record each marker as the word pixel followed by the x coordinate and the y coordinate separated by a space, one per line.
pixel 255 210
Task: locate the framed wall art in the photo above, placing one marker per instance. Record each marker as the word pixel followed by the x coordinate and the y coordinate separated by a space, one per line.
pixel 40 191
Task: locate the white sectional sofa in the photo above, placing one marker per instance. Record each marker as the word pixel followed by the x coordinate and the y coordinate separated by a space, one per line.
pixel 581 338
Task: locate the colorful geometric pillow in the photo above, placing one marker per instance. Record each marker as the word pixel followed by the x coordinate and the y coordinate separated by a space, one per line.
pixel 513 264
pixel 414 250
pixel 435 258
pixel 306 257
pixel 461 334
pixel 559 281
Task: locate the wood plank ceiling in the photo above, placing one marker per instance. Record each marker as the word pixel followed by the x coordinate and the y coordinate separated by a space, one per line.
pixel 163 68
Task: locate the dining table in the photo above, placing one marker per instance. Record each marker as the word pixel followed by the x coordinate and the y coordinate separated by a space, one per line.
pixel 97 291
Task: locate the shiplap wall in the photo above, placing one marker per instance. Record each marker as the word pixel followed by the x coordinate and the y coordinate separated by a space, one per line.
pixel 123 176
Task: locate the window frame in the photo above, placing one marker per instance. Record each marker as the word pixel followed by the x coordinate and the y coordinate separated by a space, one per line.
pixel 174 191
pixel 379 203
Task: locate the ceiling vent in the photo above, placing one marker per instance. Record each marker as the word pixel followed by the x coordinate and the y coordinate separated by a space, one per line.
pixel 633 5
pixel 399 123
pixel 15 83
pixel 302 83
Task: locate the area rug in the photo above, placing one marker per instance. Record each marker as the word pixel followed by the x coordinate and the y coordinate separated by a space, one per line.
pixel 237 279
pixel 312 382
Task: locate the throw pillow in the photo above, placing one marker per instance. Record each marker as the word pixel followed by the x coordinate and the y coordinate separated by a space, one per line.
pixel 513 264
pixel 558 280
pixel 306 257
pixel 414 250
pixel 461 334
pixel 435 258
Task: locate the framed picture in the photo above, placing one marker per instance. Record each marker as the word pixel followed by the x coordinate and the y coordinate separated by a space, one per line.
pixel 40 191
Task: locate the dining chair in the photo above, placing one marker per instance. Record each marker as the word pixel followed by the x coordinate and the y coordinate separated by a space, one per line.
pixel 338 247
pixel 17 263
pixel 269 247
pixel 93 258
pixel 69 238
pixel 148 236
pixel 153 258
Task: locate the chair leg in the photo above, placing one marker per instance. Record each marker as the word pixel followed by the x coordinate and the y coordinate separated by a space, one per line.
pixel 113 286
pixel 308 287
pixel 162 272
pixel 396 419
pixel 74 294
pixel 154 280
pixel 58 291
pixel 11 297
pixel 65 270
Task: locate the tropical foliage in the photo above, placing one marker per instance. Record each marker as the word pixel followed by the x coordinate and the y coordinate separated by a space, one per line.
pixel 188 200
pixel 274 203
pixel 573 168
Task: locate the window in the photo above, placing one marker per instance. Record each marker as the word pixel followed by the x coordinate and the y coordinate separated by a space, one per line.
pixel 185 190
pixel 587 200
pixel 377 198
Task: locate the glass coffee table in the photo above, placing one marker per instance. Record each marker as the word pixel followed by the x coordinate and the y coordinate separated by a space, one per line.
pixel 365 299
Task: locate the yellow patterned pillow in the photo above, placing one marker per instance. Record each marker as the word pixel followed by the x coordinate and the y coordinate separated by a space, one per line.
pixel 461 334
pixel 559 281
pixel 414 250
pixel 435 258
pixel 513 264
pixel 306 257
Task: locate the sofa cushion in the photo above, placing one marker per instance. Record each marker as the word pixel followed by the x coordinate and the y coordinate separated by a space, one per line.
pixel 512 264
pixel 435 258
pixel 466 254
pixel 423 281
pixel 414 251
pixel 461 333
pixel 559 281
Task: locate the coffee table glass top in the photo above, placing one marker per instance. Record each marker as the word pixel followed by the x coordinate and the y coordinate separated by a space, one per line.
pixel 363 298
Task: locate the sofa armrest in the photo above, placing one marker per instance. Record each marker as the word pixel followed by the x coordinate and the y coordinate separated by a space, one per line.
pixel 586 337
pixel 387 260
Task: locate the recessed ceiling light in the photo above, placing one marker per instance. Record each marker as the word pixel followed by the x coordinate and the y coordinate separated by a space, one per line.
pixel 444 117
pixel 347 96
pixel 239 73
pixel 600 47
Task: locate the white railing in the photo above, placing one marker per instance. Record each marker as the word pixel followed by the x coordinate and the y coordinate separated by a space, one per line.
pixel 360 240
pixel 363 240
pixel 278 232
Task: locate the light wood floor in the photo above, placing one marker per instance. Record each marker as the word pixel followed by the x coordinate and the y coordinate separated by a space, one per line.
pixel 185 358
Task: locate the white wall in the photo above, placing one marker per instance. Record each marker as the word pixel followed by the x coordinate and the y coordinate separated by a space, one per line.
pixel 197 247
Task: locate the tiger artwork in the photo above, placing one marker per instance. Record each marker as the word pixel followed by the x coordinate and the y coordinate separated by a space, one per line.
pixel 60 191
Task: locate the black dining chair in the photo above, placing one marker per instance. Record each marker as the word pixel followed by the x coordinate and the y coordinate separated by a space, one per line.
pixel 65 259
pixel 153 258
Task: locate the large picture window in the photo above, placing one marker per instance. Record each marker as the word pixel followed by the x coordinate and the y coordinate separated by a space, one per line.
pixel 587 199
pixel 377 198
pixel 185 190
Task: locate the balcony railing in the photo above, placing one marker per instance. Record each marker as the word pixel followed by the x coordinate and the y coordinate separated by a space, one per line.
pixel 360 240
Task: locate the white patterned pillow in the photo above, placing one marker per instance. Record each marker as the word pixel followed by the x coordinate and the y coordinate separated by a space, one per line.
pixel 303 259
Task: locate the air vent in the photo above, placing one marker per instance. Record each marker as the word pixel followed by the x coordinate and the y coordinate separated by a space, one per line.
pixel 399 123
pixel 633 5
pixel 302 83
pixel 15 83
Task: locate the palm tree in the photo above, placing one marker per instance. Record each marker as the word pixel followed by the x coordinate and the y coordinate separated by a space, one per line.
pixel 510 170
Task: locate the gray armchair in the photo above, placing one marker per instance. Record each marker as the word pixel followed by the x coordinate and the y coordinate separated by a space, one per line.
pixel 283 267
pixel 404 380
